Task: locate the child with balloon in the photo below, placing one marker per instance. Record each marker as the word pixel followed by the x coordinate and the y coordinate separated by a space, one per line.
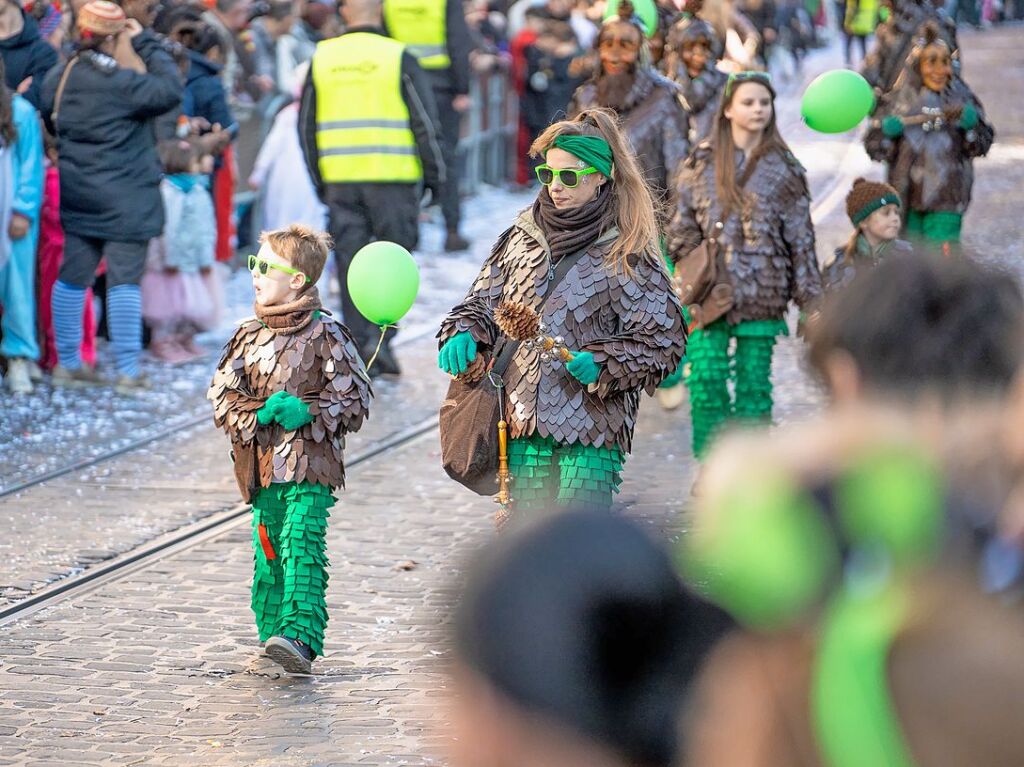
pixel 287 390
pixel 743 247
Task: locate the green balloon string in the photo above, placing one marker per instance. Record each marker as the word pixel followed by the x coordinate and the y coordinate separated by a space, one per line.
pixel 380 342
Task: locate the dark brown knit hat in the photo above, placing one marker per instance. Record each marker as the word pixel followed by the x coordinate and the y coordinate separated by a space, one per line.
pixel 866 197
pixel 101 18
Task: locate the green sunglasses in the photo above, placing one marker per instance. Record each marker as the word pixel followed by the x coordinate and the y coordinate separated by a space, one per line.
pixel 262 265
pixel 570 177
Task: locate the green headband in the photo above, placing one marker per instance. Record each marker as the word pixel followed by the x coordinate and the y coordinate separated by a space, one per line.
pixel 875 204
pixel 593 150
pixel 750 76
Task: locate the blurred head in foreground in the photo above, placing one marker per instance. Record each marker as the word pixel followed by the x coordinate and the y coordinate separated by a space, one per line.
pixel 921 329
pixel 575 644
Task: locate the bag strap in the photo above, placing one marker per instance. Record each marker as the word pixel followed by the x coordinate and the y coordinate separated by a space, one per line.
pixel 60 90
pixel 509 348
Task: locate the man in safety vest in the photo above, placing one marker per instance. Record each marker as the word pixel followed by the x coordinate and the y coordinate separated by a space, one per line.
pixel 368 127
pixel 436 33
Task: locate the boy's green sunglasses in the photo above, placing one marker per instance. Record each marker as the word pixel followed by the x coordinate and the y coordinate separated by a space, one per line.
pixel 570 177
pixel 261 264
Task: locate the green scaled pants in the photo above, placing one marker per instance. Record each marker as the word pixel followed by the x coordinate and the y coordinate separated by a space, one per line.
pixel 289 533
pixel 547 474
pixel 710 369
pixel 936 226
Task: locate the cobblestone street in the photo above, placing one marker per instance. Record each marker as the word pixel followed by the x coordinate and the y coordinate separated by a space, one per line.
pixel 163 667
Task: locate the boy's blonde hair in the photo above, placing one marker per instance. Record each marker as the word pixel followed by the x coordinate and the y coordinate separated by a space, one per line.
pixel 303 247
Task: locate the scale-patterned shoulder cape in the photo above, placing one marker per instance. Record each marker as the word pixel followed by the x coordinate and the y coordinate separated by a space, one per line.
pixel 632 324
pixel 769 249
pixel 321 366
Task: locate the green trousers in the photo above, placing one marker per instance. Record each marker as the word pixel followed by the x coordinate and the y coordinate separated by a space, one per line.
pixel 289 532
pixel 547 474
pixel 710 369
pixel 936 226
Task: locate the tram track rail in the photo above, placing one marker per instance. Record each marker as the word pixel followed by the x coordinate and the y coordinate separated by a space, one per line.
pixel 184 538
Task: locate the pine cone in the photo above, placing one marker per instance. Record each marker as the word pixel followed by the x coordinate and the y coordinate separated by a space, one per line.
pixel 475 371
pixel 518 322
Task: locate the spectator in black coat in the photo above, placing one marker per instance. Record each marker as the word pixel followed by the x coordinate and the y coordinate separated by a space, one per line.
pixel 100 106
pixel 204 87
pixel 27 56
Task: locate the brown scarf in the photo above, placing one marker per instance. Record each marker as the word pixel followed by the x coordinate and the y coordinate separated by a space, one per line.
pixel 573 229
pixel 287 319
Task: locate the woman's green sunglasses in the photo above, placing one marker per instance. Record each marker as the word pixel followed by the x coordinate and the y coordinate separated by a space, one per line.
pixel 261 264
pixel 570 177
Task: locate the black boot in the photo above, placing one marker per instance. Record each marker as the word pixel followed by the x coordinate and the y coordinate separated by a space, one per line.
pixel 455 242
pixel 386 363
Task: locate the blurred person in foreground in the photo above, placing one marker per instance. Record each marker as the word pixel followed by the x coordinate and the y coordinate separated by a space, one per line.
pixel 575 644
pixel 367 124
pixel 846 546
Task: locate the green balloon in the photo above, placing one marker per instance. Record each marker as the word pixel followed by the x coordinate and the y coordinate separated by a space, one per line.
pixel 645 9
pixel 383 280
pixel 837 101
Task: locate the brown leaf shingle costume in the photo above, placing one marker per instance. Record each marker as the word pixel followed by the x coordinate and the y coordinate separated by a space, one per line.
pixel 288 474
pixel 768 258
pixel 633 326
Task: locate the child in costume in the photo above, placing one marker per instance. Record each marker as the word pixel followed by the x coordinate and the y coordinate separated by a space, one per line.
pixel 874 211
pixel 571 426
pixel 746 194
pixel 21 196
pixel 928 130
pixel 689 61
pixel 289 387
pixel 181 294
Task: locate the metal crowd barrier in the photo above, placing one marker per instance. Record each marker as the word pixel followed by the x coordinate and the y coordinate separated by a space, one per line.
pixel 489 132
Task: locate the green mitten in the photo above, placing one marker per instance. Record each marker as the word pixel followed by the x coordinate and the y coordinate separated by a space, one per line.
pixel 968 117
pixel 892 126
pixel 456 354
pixel 267 414
pixel 292 412
pixel 583 368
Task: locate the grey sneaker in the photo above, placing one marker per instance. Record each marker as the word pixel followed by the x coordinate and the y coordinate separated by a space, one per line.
pixel 129 386
pixel 18 380
pixel 293 656
pixel 78 378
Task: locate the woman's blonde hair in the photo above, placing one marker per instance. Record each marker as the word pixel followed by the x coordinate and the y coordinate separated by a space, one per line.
pixel 632 206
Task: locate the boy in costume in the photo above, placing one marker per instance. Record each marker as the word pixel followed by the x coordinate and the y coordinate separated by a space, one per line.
pixel 289 387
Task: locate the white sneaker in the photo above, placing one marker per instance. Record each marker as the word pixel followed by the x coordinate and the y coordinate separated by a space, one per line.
pixel 672 397
pixel 18 380
pixel 35 373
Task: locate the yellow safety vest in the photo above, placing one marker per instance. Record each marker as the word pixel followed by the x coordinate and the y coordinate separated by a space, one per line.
pixel 362 121
pixel 420 24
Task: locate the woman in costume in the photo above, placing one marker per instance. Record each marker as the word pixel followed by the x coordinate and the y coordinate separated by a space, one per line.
pixel 745 193
pixel 571 424
pixel 928 130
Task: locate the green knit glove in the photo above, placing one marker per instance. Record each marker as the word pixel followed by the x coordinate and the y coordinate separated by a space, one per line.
pixel 583 368
pixel 968 117
pixel 292 412
pixel 268 413
pixel 892 126
pixel 456 354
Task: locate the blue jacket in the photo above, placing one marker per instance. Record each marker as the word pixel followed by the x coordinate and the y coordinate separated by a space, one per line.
pixel 28 161
pixel 204 92
pixel 27 54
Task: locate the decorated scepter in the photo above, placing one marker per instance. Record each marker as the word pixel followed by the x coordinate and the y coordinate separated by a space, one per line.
pixel 521 323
